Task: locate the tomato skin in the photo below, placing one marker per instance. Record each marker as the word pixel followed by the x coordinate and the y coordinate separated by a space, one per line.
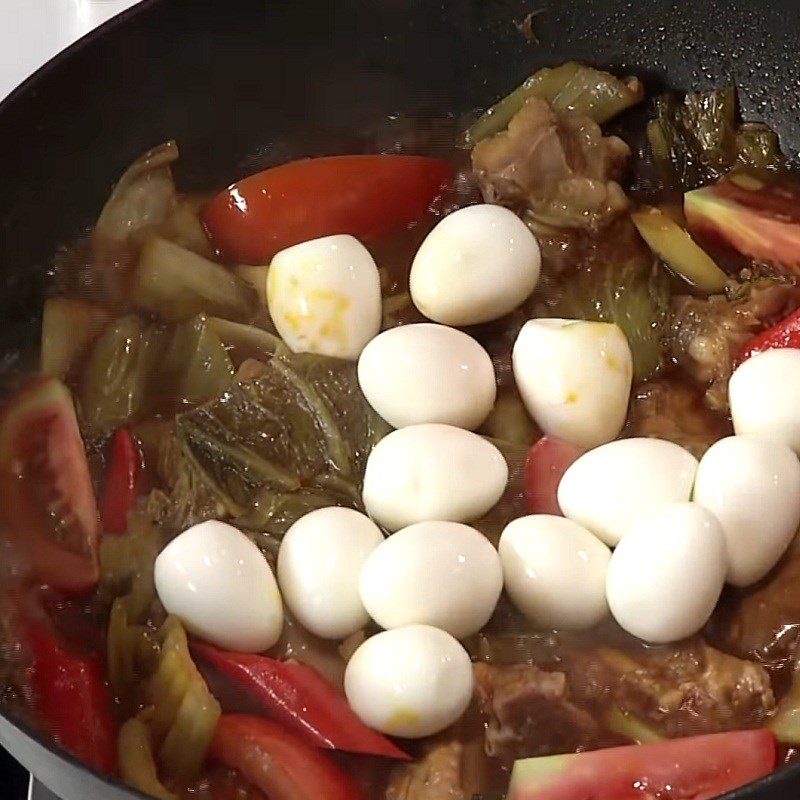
pixel 759 220
pixel 278 762
pixel 298 697
pixel 547 461
pixel 121 488
pixel 365 196
pixel 72 696
pixel 785 334
pixel 43 465
pixel 692 768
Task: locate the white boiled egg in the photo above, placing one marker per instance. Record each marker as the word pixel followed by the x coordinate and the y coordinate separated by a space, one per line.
pixel 319 563
pixel 432 472
pixel 607 489
pixel 325 297
pixel 410 682
pixel 478 264
pixel 764 395
pixel 666 575
pixel 221 587
pixel 427 373
pixel 752 485
pixel 574 378
pixel 555 571
pixel 433 573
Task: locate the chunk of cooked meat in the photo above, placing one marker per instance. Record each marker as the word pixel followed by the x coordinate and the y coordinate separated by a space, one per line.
pixel 437 775
pixel 555 165
pixel 680 691
pixel 763 621
pixel 452 766
pixel 530 713
pixel 707 333
pixel 449 766
pixel 670 409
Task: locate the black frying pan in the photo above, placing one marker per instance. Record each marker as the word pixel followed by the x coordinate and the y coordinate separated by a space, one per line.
pixel 244 83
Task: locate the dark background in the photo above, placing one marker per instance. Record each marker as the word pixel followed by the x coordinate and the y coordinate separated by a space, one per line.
pixel 13 779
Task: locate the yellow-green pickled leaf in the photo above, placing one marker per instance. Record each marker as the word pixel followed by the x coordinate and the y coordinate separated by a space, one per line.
pixel 657 138
pixel 155 669
pixel 132 652
pixel 120 654
pixel 123 557
pixel 247 341
pixel 572 86
pixel 137 765
pixel 118 374
pixel 185 744
pixel 699 139
pixel 172 678
pixel 673 245
pixel 142 199
pixel 758 146
pixel 295 437
pixel 195 363
pixel 509 420
pixel 631 727
pixel 127 561
pixel 309 393
pixel 68 329
pixel 256 276
pixel 786 723
pixel 274 512
pixel 183 711
pixel 182 226
pixel 178 284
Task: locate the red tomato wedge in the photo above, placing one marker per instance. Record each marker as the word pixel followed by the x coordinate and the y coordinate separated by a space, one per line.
pixel 278 762
pixel 759 219
pixel 121 488
pixel 694 768
pixel 298 697
pixel 546 464
pixel 71 695
pixel 366 196
pixel 46 496
pixel 785 334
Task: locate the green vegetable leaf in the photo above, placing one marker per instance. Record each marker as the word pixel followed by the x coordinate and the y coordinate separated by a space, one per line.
pixel 698 140
pixel 271 449
pixel 572 86
pixel 117 376
pixel 141 200
pixel 673 245
pixel 135 367
pixel 195 362
pixel 178 284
